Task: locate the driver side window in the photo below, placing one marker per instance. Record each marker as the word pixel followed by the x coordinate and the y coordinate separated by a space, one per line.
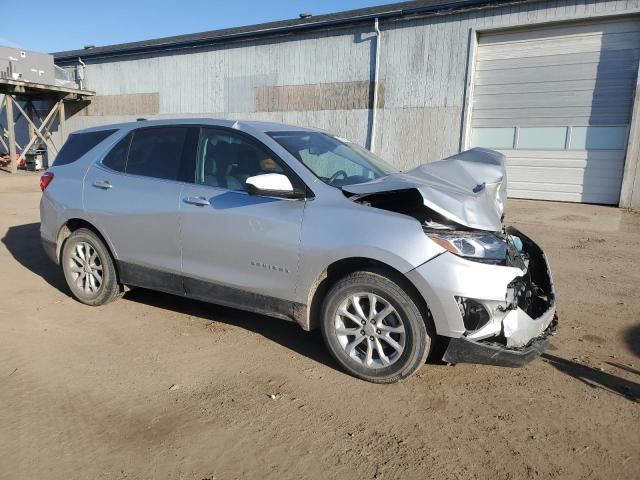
pixel 226 160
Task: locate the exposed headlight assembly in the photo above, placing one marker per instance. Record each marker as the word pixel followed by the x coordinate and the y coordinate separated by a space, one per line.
pixel 473 245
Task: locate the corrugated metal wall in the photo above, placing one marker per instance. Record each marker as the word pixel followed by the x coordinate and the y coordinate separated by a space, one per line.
pixel 422 72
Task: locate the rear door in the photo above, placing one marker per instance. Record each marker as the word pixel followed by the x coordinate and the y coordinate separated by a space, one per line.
pixel 132 196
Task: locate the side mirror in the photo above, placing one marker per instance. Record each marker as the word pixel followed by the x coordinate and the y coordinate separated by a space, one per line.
pixel 271 184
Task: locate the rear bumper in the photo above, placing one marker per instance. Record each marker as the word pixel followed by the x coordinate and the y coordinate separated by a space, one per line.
pixel 50 249
pixel 463 350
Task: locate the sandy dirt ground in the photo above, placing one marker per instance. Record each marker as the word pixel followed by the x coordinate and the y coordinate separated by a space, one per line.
pixel 158 387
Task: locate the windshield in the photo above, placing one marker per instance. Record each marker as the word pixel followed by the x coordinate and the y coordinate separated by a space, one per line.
pixel 333 160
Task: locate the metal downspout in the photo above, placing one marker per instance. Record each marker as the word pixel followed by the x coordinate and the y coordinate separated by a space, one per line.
pixel 80 73
pixel 374 107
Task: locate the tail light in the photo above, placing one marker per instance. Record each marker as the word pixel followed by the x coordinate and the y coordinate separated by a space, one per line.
pixel 45 180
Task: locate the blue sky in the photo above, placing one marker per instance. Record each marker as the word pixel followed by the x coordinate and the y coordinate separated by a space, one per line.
pixel 49 26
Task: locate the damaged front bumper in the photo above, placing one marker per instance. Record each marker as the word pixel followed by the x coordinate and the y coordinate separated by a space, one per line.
pixel 493 314
pixel 464 350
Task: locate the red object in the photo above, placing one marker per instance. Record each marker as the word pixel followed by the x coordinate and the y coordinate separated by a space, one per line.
pixel 45 180
pixel 5 159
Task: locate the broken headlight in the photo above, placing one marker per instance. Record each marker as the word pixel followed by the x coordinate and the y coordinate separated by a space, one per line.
pixel 473 245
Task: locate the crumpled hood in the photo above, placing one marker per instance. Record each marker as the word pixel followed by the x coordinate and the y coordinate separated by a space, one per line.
pixel 469 188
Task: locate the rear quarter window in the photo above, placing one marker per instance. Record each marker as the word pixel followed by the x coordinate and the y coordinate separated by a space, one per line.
pixel 78 144
pixel 116 159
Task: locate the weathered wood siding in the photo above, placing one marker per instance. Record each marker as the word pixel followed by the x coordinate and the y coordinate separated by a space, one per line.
pixel 423 69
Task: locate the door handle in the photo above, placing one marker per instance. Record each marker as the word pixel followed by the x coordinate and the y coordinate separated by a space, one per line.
pixel 104 184
pixel 198 201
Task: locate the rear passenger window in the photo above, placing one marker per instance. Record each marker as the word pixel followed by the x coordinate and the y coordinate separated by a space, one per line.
pixel 78 144
pixel 117 157
pixel 157 152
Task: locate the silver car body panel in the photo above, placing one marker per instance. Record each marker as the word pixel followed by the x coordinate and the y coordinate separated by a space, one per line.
pixel 448 276
pixel 340 229
pixel 139 214
pixel 468 188
pixel 278 249
pixel 520 328
pixel 242 241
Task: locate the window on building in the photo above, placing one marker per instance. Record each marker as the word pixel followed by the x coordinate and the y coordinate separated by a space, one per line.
pixel 551 138
pixel 598 138
pixel 499 137
pixel 541 138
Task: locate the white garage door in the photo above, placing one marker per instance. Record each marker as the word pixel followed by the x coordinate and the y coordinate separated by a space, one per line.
pixel 557 101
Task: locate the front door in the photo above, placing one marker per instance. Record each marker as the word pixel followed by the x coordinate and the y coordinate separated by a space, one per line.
pixel 238 249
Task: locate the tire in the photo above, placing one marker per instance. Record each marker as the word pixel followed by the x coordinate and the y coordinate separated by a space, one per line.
pixel 94 282
pixel 399 322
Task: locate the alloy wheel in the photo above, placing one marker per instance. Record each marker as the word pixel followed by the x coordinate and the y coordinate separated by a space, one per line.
pixel 86 268
pixel 370 330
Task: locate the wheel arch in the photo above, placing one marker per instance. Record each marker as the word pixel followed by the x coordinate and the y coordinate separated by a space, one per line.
pixel 345 266
pixel 74 224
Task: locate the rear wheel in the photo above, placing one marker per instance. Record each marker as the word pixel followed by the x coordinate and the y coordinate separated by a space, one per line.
pixel 88 269
pixel 374 328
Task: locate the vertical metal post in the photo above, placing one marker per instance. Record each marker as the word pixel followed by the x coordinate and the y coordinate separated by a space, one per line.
pixel 465 130
pixel 2 142
pixel 61 119
pixel 29 111
pixel 376 73
pixel 8 103
pixel 630 191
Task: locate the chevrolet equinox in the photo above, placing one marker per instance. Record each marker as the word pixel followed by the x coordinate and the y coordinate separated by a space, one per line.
pixel 305 226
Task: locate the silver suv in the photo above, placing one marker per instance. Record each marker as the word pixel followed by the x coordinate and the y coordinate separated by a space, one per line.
pixel 305 226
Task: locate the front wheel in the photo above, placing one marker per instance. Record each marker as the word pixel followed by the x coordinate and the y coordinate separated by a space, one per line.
pixel 374 328
pixel 88 269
